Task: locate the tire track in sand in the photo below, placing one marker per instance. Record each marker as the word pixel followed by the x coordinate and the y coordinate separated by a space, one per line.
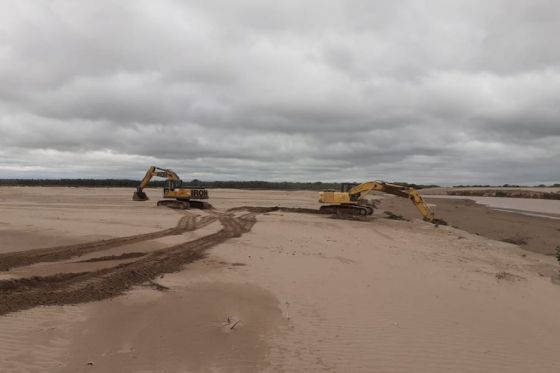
pixel 53 254
pixel 72 288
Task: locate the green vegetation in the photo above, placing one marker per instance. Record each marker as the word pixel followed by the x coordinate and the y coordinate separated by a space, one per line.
pixel 491 186
pixel 70 182
pixel 416 186
pixel 493 192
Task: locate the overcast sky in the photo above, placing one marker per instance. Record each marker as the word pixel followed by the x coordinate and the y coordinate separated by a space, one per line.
pixel 421 91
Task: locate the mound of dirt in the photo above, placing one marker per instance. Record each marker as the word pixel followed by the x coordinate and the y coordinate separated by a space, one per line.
pixel 393 216
pixel 113 257
pixel 351 217
pixel 516 241
pixel 262 210
pixel 506 276
pixel 300 210
pixel 255 209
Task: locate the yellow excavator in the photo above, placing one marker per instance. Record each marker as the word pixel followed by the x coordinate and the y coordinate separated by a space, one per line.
pixel 175 195
pixel 351 200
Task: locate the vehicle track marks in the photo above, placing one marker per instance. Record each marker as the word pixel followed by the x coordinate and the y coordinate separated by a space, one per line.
pixel 9 260
pixel 66 288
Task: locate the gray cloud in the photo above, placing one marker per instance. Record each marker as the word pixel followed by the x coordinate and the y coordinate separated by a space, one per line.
pixel 447 92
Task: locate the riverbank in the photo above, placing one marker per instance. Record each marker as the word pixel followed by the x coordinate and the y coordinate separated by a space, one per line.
pixel 534 233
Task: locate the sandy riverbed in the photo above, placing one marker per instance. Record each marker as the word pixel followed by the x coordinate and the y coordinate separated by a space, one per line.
pixel 531 231
pixel 262 291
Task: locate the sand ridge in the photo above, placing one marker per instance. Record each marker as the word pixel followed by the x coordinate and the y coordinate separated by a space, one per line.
pixel 534 233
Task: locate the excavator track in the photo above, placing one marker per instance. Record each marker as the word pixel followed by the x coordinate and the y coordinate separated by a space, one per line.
pixel 200 205
pixel 184 204
pixel 174 204
pixel 346 210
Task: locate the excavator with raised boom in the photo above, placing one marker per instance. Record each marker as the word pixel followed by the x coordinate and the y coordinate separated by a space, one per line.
pixel 175 195
pixel 352 200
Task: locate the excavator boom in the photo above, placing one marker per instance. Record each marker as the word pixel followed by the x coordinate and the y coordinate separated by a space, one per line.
pixel 140 195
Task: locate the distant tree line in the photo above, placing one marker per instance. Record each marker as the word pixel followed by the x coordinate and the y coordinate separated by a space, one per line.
pixel 128 183
pixel 70 182
pixel 510 193
pixel 262 185
pixel 416 186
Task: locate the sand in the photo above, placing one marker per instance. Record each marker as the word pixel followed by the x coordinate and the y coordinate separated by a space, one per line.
pixel 444 190
pixel 262 291
pixel 533 232
pixel 530 206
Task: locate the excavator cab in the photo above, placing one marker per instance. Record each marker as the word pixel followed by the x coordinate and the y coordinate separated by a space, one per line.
pixel 345 187
pixel 171 185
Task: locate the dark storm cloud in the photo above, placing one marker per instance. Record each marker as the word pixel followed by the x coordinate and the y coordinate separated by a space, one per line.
pixel 439 91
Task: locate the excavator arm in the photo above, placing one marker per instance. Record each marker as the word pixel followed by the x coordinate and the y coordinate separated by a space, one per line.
pixel 358 192
pixel 153 171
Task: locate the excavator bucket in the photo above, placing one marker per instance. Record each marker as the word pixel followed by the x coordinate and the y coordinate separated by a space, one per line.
pixel 140 196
